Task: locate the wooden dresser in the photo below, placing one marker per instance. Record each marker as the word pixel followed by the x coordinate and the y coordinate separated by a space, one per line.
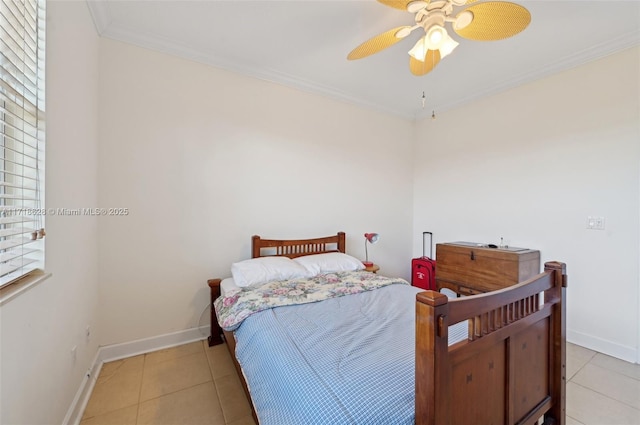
pixel 471 268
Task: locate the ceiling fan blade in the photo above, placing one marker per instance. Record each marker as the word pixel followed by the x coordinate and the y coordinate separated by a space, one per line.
pixel 431 59
pixel 494 20
pixel 396 4
pixel 375 44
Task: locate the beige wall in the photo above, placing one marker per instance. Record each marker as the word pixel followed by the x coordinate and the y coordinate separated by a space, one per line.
pixel 205 158
pixel 38 376
pixel 530 165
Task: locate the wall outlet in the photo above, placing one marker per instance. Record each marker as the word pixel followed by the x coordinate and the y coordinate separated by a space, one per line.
pixel 595 223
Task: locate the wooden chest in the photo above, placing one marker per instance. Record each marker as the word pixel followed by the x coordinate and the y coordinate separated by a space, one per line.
pixel 470 268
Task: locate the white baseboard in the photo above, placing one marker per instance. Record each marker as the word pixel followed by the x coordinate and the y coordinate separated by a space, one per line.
pixel 629 354
pixel 74 414
pixel 113 352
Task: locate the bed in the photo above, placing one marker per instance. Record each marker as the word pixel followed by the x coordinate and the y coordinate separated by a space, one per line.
pixel 386 355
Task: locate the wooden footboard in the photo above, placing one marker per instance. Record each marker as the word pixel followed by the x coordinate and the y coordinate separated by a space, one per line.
pixel 511 369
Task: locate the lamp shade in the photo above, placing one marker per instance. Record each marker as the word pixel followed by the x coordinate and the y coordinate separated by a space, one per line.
pixel 372 237
pixel 419 50
pixel 447 46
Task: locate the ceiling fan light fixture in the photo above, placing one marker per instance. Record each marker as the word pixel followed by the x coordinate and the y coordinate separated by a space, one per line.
pixel 448 46
pixel 419 50
pixel 436 35
pixel 444 45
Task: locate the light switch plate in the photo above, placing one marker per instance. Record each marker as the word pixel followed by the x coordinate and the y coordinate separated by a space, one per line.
pixel 595 222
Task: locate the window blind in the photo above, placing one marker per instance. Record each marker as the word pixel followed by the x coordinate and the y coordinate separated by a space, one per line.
pixel 22 135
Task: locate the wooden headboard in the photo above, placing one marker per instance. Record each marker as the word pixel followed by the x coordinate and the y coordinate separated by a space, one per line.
pixel 297 247
pixel 273 247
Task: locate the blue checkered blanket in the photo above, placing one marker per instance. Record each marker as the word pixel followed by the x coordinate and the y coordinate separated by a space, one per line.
pixel 345 360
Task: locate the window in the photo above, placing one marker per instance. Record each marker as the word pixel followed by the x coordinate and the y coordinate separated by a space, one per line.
pixel 22 34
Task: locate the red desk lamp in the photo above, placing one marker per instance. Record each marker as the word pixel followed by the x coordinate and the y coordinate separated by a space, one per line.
pixel 369 238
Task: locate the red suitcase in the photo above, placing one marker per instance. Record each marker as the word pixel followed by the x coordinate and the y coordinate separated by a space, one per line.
pixel 423 269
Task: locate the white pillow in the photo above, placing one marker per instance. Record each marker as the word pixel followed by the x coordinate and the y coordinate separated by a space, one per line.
pixel 257 271
pixel 228 287
pixel 329 263
pixel 449 293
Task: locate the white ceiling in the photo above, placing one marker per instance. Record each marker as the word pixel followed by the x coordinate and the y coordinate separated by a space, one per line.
pixel 304 44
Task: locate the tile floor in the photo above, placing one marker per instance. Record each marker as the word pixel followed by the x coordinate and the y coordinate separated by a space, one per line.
pixel 193 384
pixel 601 390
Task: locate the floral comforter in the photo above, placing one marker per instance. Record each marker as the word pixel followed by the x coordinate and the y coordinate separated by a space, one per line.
pixel 232 309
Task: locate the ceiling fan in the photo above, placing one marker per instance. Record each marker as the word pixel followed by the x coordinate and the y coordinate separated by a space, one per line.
pixel 486 21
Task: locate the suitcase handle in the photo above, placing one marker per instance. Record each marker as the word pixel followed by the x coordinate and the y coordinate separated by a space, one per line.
pixel 424 244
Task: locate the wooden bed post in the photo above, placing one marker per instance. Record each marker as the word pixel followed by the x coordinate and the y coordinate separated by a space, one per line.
pixel 556 414
pixel 342 242
pixel 216 332
pixel 433 392
pixel 255 246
